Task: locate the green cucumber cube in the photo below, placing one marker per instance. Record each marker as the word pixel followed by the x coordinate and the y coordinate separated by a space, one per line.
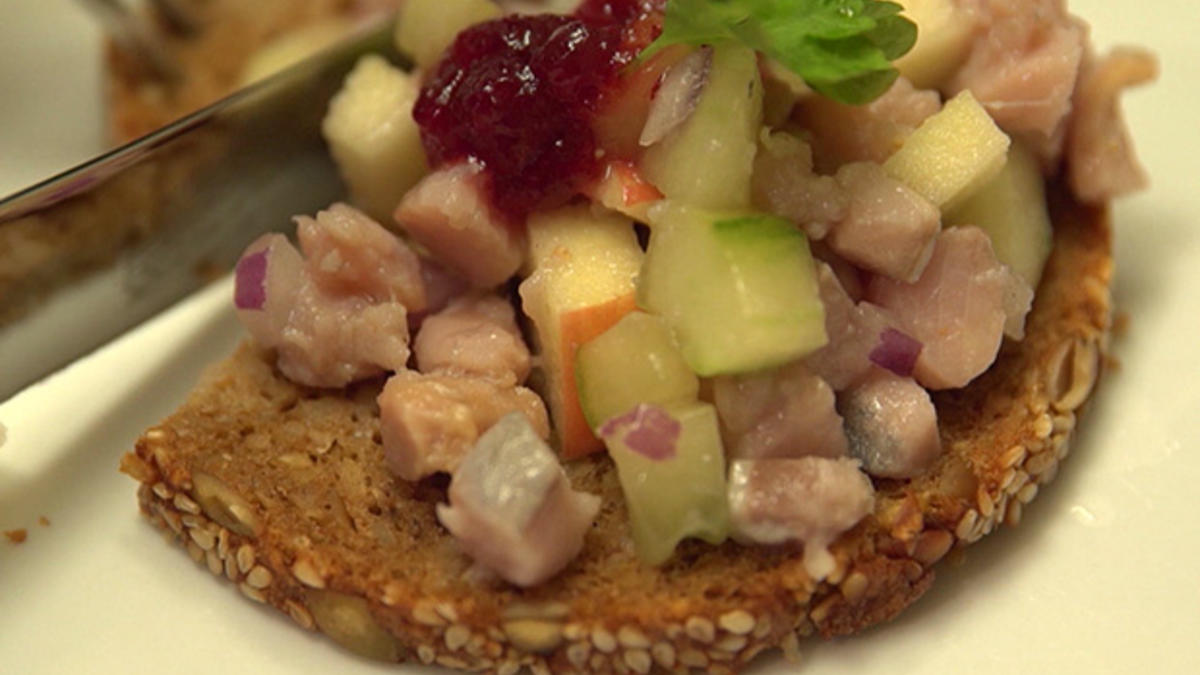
pixel 635 361
pixel 673 475
pixel 739 291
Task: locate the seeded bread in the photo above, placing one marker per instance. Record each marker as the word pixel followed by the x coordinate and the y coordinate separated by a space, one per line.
pixel 283 490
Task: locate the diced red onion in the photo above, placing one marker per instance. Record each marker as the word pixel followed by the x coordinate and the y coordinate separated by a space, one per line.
pixel 896 352
pixel 250 281
pixel 677 96
pixel 647 430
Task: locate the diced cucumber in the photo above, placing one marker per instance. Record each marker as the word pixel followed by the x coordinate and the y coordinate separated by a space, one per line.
pixel 1011 208
pixel 680 494
pixel 708 161
pixel 635 361
pixel 739 291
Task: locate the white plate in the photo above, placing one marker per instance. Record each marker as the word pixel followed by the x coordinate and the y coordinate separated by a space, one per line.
pixel 1100 577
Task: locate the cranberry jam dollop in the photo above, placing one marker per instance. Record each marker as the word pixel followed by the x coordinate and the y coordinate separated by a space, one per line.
pixel 518 95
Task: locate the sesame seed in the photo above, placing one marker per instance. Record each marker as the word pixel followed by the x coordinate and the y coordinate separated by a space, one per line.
pixel 821 611
pixel 1013 456
pixel 451 662
pixel 231 570
pixel 603 640
pixel 183 503
pixel 213 561
pixel 160 488
pixel 738 622
pixel 966 524
pixel 203 538
pixel 1043 426
pixel 539 667
pixel 1064 423
pixel 245 558
pixel 718 655
pixel 446 611
pixel 1039 464
pixel 638 660
pixel 456 636
pixel 252 593
pixel 700 629
pixel 534 635
pixel 631 637
pixel 306 574
pixel 223 543
pixel 426 654
pixel 664 654
pixel 1013 517
pixel 259 577
pixel 508 668
pixel 578 653
pixel 299 614
pixel 854 586
pixel 195 551
pixel 986 505
pixel 752 651
pixel 190 520
pixel 426 615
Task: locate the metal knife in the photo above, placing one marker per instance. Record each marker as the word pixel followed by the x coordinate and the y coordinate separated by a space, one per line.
pixel 96 250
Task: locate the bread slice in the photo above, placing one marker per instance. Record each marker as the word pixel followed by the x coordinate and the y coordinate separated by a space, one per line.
pixel 283 490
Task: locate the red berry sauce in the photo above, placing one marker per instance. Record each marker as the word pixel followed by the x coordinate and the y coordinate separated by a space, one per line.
pixel 518 94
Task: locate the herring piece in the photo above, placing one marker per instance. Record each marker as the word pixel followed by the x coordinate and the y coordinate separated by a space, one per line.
pixel 785 412
pixel 889 229
pixel 807 499
pixel 430 422
pixel 960 308
pixel 854 331
pixel 891 425
pixel 474 335
pixel 1101 163
pixel 334 333
pixel 348 253
pixel 1022 67
pixel 785 184
pixel 512 508
pixel 449 213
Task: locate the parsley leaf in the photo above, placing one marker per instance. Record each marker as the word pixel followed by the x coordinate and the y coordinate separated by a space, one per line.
pixel 842 48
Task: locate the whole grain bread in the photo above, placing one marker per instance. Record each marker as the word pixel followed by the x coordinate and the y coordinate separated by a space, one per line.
pixel 284 491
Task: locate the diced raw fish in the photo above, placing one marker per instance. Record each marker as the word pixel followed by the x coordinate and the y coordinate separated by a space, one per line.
pixel 889 229
pixel 809 499
pixel 959 309
pixel 512 508
pixel 449 213
pixel 430 422
pixel 350 254
pixel 474 335
pixel 1022 67
pixel 891 424
pixel 785 184
pixel 785 412
pixel 853 330
pixel 1101 163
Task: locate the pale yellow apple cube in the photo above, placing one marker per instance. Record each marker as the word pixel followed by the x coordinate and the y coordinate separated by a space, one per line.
pixel 293 47
pixel 373 138
pixel 426 28
pixel 952 154
pixel 944 32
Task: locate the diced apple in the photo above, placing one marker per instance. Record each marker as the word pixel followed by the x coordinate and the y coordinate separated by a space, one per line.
pixel 672 470
pixel 373 138
pixel 708 160
pixel 581 282
pixel 426 28
pixel 1011 209
pixel 944 31
pixel 952 154
pixel 739 291
pixel 635 361
pixel 623 190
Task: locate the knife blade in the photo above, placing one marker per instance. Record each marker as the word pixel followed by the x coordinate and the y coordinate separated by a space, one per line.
pixel 98 249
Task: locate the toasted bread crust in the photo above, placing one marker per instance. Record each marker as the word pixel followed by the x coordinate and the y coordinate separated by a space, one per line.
pixel 283 490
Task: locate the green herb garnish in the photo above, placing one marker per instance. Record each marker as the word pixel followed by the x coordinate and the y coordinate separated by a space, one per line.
pixel 842 48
